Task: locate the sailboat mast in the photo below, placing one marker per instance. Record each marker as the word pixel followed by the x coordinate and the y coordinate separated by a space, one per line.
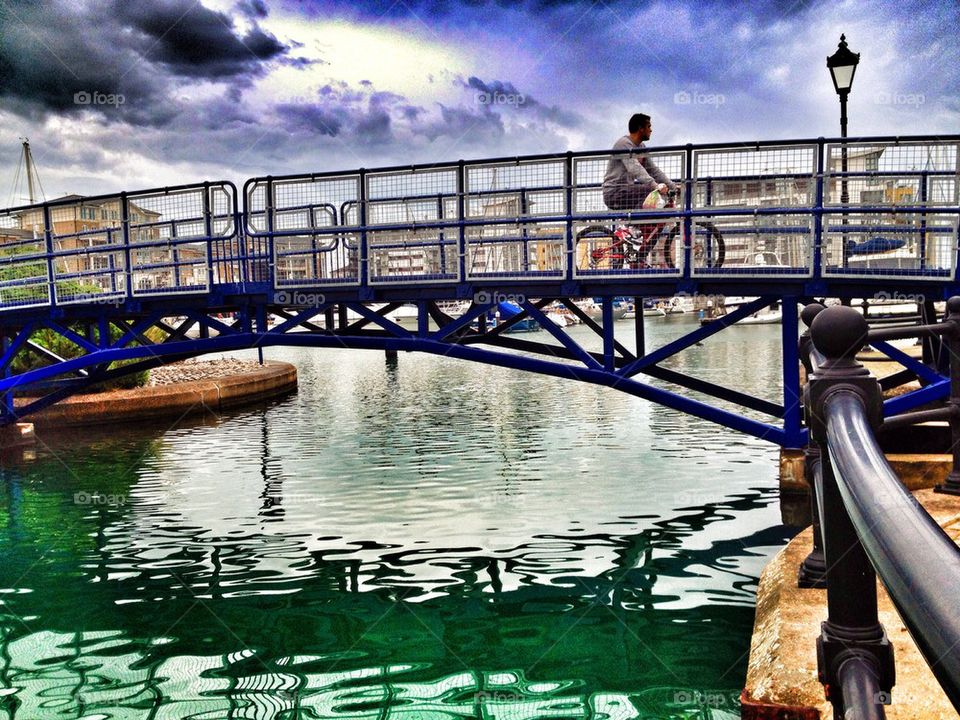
pixel 28 160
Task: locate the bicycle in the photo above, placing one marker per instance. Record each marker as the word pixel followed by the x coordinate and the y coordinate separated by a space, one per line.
pixel 632 245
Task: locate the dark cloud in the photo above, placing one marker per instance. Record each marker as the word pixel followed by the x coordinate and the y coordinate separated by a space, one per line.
pixel 63 57
pixel 363 116
pixel 310 119
pixel 252 8
pixel 497 93
pixel 193 40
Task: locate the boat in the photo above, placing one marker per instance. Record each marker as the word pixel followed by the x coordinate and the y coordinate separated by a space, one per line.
pixel 502 312
pixel 594 310
pixel 763 317
pixel 677 305
pixel 561 315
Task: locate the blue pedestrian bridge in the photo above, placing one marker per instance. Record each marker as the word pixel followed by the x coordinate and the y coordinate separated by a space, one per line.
pixel 136 279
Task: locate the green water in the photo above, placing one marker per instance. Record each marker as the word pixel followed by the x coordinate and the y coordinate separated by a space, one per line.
pixel 431 540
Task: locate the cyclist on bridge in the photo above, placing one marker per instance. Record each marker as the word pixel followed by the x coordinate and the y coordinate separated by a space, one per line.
pixel 630 178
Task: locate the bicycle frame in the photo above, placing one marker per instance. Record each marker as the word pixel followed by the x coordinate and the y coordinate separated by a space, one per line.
pixel 620 251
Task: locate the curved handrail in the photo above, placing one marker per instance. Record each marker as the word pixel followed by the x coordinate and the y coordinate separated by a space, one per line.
pixel 916 560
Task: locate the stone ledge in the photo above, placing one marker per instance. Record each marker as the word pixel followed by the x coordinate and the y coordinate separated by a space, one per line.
pixel 187 398
pixel 782 671
pixel 916 471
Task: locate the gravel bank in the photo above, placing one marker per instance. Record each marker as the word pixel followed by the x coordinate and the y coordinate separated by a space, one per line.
pixel 190 370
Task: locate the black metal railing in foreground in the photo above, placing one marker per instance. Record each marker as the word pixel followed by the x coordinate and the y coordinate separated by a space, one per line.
pixel 870 524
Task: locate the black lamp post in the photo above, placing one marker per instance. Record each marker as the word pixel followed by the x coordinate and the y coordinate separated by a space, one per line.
pixel 843 65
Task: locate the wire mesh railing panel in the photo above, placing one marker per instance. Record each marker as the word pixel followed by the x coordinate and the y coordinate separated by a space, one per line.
pixel 304 198
pixel 753 245
pixel 412 211
pixel 524 188
pixel 943 191
pixel 755 192
pixel 593 194
pixel 255 208
pixel 89 261
pixel 24 280
pixel 226 250
pixel 422 255
pixel 254 239
pixel 889 245
pixel 170 234
pixel 412 184
pixel 309 260
pixel 875 190
pixel 587 181
pixel 891 173
pixel 778 176
pixel 516 250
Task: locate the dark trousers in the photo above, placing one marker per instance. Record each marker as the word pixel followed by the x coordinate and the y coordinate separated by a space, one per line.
pixel 625 197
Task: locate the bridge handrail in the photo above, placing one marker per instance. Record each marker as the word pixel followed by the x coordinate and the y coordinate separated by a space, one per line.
pixel 606 152
pixel 871 523
pixel 916 560
pixel 517 219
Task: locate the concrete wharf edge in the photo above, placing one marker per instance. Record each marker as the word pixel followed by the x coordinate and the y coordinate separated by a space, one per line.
pixel 782 672
pixel 187 398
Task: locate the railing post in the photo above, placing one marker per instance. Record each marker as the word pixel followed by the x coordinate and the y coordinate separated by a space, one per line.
pixel 271 261
pixel 952 484
pixel 461 228
pixel 687 236
pixel 813 569
pixel 818 214
pixel 568 225
pixel 364 259
pixel 48 247
pixel 852 636
pixel 208 231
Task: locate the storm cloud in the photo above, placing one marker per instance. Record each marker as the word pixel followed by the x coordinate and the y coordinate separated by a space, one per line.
pixel 123 61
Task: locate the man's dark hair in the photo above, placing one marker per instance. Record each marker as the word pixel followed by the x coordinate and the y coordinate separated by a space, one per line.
pixel 637 121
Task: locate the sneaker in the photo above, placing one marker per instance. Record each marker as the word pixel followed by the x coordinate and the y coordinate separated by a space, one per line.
pixel 623 233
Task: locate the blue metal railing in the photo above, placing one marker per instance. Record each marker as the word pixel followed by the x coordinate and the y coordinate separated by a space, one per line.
pixel 502 219
pixel 870 523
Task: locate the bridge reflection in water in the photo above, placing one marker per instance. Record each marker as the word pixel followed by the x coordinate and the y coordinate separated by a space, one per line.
pixel 103 675
pixel 633 600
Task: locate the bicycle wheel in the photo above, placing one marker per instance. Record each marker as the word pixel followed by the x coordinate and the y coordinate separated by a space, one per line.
pixel 595 248
pixel 707 250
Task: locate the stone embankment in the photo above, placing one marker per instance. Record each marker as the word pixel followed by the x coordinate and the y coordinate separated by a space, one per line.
pixel 179 390
pixel 782 674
